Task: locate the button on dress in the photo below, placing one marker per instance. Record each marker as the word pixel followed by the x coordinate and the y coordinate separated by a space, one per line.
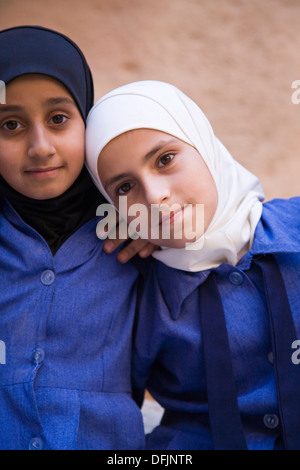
pixel 204 339
pixel 66 322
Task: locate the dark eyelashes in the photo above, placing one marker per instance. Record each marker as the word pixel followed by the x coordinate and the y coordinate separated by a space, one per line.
pixel 167 154
pixel 162 161
pixel 57 118
pixel 6 124
pixel 117 190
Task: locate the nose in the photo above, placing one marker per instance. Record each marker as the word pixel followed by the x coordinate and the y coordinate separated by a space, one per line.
pixel 40 145
pixel 156 191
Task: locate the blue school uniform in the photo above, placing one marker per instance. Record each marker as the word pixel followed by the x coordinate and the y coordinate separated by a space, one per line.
pixel 66 323
pixel 220 350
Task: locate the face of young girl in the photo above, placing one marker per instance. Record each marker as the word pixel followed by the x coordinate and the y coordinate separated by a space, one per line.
pixel 41 137
pixel 153 168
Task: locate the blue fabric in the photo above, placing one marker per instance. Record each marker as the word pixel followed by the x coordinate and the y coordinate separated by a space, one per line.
pixel 169 355
pixel 283 336
pixel 219 376
pixel 66 322
pixel 34 49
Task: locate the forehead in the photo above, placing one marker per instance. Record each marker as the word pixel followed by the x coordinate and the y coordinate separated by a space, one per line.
pixel 30 91
pixel 128 146
pixel 140 139
pixel 36 82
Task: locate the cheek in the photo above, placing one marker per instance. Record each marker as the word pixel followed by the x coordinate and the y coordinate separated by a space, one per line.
pixel 202 183
pixel 106 170
pixel 137 216
pixel 73 150
pixel 9 162
pixel 79 152
pixel 200 188
pixel 210 200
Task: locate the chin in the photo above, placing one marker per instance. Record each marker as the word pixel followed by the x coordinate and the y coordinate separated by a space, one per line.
pixel 179 244
pixel 48 194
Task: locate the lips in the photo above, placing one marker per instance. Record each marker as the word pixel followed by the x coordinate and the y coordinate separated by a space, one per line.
pixel 43 172
pixel 171 216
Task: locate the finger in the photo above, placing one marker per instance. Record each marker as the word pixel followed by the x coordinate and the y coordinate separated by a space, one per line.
pixel 109 246
pixel 147 250
pixel 117 237
pixel 131 249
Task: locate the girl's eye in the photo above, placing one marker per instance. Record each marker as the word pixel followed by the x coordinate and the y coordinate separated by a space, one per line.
pixel 59 119
pixel 165 159
pixel 11 125
pixel 124 188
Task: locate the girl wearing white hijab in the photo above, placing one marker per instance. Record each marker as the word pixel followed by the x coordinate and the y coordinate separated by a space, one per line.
pixel 219 348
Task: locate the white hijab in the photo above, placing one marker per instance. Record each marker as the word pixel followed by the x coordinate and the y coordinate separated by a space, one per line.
pixel 161 106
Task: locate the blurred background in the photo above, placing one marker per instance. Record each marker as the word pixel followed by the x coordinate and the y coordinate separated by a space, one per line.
pixel 236 58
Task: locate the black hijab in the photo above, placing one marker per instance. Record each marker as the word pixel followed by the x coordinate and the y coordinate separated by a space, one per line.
pixel 34 49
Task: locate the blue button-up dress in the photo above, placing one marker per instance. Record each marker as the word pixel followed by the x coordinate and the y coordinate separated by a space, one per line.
pixel 66 334
pixel 220 349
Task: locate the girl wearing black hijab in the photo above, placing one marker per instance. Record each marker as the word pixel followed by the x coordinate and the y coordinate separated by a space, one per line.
pixel 65 371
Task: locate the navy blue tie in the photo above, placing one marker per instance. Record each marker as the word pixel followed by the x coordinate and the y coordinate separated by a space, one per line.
pixel 283 336
pixel 224 414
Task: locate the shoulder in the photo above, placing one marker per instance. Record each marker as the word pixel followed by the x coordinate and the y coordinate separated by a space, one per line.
pixel 278 228
pixel 282 209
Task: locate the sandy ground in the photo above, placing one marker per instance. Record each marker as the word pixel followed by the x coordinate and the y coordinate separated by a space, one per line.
pixel 236 58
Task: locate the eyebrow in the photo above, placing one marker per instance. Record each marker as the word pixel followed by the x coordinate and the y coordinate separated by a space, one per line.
pixel 6 108
pixel 157 148
pixel 114 179
pixel 60 100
